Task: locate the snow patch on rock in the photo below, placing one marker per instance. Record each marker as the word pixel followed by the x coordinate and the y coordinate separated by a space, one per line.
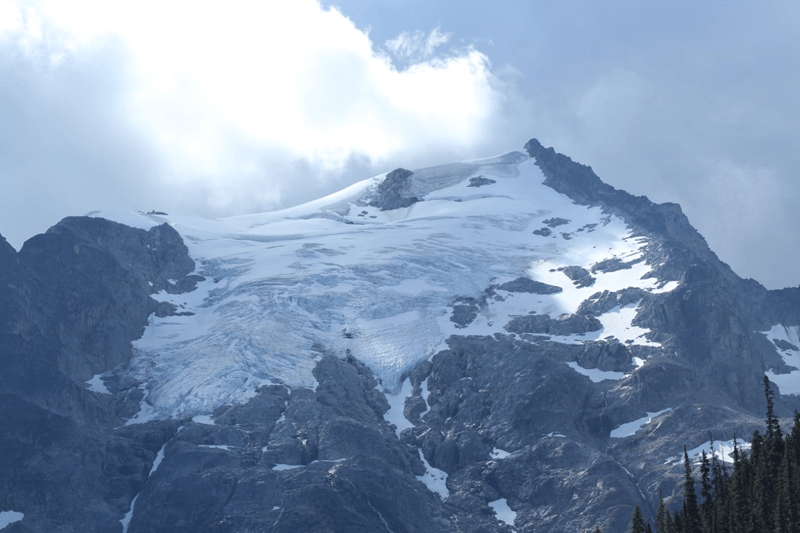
pixel 787 383
pixel 629 428
pixel 9 517
pixel 503 512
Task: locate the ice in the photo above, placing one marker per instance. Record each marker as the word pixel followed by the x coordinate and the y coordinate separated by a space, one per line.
pixel 317 461
pixel 497 453
pixel 158 459
pixel 126 521
pixel 787 383
pixel 596 375
pixel 556 435
pixel 282 289
pixel 425 393
pixel 618 323
pixel 629 428
pixel 503 511
pixel 396 406
pixel 434 479
pixel 133 219
pixel 96 385
pixel 146 412
pixel 790 334
pixel 286 467
pixel 9 517
pixel 215 446
pixel 204 419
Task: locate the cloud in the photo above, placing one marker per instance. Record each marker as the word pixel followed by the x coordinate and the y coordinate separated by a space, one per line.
pixel 216 110
pixel 746 215
pixel 417 45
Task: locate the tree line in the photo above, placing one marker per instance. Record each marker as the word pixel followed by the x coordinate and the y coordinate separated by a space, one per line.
pixel 760 493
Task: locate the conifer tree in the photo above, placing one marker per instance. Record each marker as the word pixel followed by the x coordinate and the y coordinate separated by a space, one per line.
pixel 783 518
pixel 669 523
pixel 761 492
pixel 677 520
pixel 661 515
pixel 637 522
pixel 773 427
pixel 691 518
pixel 707 507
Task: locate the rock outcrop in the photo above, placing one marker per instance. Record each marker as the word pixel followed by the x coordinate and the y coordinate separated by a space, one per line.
pixel 393 191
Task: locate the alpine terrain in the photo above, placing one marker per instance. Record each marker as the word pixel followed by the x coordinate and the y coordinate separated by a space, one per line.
pixel 496 345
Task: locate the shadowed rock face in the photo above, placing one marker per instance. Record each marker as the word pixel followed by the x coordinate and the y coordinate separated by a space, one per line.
pixel 73 300
pixel 518 417
pixel 530 286
pixel 480 181
pixel 393 191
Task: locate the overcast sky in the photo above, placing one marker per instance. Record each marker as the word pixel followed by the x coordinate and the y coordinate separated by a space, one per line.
pixel 216 109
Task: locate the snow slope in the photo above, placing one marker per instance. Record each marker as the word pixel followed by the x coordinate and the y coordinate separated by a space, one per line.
pixel 789 340
pixel 337 275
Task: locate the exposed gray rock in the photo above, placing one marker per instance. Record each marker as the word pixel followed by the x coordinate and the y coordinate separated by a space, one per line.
pixel 614 264
pixel 528 285
pixel 556 221
pixel 786 346
pixel 480 181
pixel 567 324
pixel 73 299
pixel 393 191
pixel 603 302
pixel 607 356
pixel 580 276
pixel 465 310
pixel 543 232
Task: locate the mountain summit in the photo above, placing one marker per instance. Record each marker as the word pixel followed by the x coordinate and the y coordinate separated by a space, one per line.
pixel 503 344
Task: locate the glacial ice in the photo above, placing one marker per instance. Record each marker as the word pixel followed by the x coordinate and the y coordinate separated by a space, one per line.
pixel 282 289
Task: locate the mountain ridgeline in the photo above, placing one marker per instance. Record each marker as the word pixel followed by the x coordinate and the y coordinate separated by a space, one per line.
pixel 495 345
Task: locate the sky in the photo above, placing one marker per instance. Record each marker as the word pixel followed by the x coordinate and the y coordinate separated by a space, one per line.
pixel 205 109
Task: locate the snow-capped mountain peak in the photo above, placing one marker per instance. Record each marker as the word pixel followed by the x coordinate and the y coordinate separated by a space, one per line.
pixel 352 273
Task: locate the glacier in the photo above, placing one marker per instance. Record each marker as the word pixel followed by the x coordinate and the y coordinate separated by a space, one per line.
pixel 341 276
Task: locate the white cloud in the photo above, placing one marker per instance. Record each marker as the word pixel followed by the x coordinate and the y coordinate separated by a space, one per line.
pixel 231 96
pixel 10 17
pixel 417 45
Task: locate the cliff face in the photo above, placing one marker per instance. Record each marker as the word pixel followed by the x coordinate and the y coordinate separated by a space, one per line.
pixel 73 300
pixel 524 420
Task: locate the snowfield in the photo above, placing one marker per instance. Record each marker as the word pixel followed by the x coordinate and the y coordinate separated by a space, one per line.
pixel 338 276
pixel 789 339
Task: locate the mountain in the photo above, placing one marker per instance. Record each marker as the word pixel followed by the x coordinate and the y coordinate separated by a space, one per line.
pixel 504 344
